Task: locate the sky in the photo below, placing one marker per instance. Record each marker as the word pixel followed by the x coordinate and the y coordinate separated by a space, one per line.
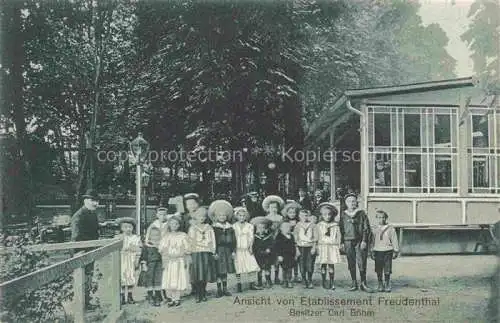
pixel 453 20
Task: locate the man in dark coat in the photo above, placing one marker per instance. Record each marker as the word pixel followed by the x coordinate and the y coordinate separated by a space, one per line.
pixel 254 205
pixel 355 234
pixel 318 199
pixel 304 200
pixel 84 227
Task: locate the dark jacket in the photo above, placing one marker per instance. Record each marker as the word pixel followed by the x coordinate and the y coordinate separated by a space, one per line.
pixel 355 228
pixel 254 208
pixel 285 248
pixel 84 225
pixel 150 254
pixel 260 244
pixel 305 202
pixel 224 238
pixel 315 204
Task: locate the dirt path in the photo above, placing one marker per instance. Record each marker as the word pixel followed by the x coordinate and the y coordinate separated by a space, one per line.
pixel 460 284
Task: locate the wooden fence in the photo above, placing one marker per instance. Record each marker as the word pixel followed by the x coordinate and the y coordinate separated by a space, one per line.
pixel 25 284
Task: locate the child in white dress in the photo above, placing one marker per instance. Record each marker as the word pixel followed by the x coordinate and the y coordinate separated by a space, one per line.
pixel 130 254
pixel 174 248
pixel 328 233
pixel 244 261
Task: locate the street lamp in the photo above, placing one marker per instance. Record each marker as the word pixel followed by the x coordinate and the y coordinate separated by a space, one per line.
pixel 139 148
pixel 146 176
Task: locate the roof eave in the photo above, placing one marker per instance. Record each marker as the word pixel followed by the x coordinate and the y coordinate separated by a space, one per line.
pixel 410 88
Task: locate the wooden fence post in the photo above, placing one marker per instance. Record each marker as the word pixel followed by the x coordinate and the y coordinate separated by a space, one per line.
pixel 79 295
pixel 115 281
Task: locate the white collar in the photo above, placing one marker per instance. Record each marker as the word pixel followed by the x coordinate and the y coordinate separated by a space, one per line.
pixel 225 225
pixel 305 224
pixel 203 227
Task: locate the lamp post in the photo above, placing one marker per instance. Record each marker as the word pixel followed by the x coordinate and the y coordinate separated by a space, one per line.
pixel 139 148
pixel 146 176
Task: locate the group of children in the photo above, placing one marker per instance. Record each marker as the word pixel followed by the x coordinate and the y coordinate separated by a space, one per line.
pixel 206 245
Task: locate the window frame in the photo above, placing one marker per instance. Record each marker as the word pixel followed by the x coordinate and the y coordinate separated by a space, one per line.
pixel 427 151
pixel 491 152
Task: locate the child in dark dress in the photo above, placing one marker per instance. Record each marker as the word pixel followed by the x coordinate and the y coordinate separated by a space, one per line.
pixel 291 215
pixel 151 267
pixel 202 242
pixel 286 251
pixel 225 243
pixel 263 246
pixel 272 205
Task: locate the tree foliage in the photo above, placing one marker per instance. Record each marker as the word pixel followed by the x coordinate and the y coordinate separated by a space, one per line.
pixel 204 75
pixel 483 38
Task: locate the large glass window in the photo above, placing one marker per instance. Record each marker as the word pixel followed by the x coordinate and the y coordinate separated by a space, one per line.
pixel 480 171
pixel 480 131
pixel 484 152
pixel 383 170
pixel 413 170
pixel 419 153
pixel 412 129
pixel 382 129
pixel 444 171
pixel 442 130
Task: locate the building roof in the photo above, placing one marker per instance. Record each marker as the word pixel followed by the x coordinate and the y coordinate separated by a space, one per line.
pixel 334 116
pixel 410 88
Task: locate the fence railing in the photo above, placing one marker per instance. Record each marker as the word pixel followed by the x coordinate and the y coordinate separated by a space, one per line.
pixel 17 287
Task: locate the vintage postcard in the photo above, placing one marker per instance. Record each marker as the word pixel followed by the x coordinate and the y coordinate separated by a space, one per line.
pixel 250 161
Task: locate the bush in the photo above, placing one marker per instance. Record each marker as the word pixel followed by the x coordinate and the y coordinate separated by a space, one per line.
pixel 43 304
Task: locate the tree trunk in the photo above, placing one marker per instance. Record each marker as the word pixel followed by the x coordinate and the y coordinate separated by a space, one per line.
pixel 235 181
pixel 14 57
pixel 294 142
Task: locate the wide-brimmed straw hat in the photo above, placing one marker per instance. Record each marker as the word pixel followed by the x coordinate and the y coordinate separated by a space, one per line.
pixel 218 207
pixel 261 220
pixel 330 206
pixel 191 196
pixel 289 205
pixel 132 221
pixel 272 199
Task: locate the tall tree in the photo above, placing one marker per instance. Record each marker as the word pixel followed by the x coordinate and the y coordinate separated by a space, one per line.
pixel 13 63
pixel 483 38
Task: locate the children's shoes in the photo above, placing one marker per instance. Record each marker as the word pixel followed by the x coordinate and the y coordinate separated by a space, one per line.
pixel 130 299
pixel 150 297
pixel 388 287
pixel 157 298
pixel 174 303
pixel 219 291
pixel 253 286
pixel 225 292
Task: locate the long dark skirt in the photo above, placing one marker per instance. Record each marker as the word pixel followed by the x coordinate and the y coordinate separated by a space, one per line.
pixel 203 267
pixel 225 262
pixel 152 277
